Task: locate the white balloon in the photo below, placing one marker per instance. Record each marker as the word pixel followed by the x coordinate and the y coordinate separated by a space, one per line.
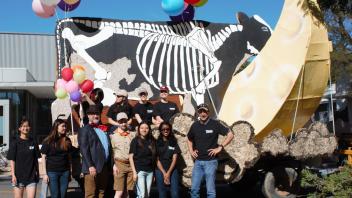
pixel 50 2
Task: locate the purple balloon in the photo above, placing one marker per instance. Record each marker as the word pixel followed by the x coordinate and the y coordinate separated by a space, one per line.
pixel 187 15
pixel 75 96
pixel 67 7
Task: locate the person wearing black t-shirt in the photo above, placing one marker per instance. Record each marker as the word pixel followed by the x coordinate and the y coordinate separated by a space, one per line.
pixel 120 105
pixel 203 146
pixel 167 152
pixel 164 109
pixel 143 110
pixel 142 157
pixel 55 157
pixel 23 155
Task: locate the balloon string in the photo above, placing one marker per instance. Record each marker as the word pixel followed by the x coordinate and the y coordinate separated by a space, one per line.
pixel 57 17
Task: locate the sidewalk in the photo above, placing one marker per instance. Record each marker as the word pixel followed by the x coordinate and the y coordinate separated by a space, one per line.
pixel 223 191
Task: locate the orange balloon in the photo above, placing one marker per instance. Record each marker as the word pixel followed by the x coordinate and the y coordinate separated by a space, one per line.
pixel 201 3
pixel 71 2
pixel 74 68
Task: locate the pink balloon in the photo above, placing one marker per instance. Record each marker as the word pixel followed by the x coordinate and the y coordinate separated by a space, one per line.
pixel 60 83
pixel 42 10
pixel 71 86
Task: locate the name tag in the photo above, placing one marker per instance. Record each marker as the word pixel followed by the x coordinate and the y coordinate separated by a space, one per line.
pixel 208 131
pixel 171 148
pixel 150 111
pixel 31 147
pixel 172 108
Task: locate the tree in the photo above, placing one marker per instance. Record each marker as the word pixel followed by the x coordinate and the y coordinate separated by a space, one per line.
pixel 336 15
pixel 338 184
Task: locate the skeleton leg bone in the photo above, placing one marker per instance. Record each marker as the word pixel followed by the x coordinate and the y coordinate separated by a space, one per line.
pixel 80 43
pixel 198 39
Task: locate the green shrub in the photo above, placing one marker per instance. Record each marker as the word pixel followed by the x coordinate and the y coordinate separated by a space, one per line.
pixel 338 184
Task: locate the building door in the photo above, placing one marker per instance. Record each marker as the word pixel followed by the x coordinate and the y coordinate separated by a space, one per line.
pixel 4 122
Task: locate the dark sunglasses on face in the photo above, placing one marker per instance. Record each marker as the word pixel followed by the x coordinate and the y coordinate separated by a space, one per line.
pixel 163 91
pixel 122 121
pixel 165 129
pixel 202 111
pixel 143 94
pixel 93 114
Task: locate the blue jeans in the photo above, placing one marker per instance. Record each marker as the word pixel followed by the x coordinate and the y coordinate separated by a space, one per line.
pixel 58 183
pixel 207 169
pixel 144 183
pixel 162 188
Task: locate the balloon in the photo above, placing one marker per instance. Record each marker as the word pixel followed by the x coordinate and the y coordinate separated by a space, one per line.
pixel 187 15
pixel 78 67
pixel 42 10
pixel 71 2
pixel 75 96
pixel 67 73
pixel 60 84
pixel 61 93
pixel 87 86
pixel 71 86
pixel 192 2
pixel 79 76
pixel 201 3
pixel 68 7
pixel 50 2
pixel 173 7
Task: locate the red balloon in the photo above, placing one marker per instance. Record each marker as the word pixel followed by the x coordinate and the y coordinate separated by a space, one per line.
pixel 67 74
pixel 87 86
pixel 192 2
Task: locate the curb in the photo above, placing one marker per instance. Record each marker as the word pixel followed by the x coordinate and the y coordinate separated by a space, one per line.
pixel 5 177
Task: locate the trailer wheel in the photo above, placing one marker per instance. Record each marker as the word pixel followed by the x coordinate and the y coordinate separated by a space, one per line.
pixel 280 182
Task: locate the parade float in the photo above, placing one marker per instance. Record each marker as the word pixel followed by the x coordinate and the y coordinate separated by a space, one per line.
pixel 266 103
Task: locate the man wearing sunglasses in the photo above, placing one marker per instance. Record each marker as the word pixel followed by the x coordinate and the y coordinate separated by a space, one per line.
pixel 120 105
pixel 164 109
pixel 143 110
pixel 203 146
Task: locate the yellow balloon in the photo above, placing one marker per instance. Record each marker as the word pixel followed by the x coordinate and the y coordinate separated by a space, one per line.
pixel 79 76
pixel 71 2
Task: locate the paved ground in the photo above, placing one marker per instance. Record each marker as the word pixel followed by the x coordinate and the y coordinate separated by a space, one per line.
pixel 223 191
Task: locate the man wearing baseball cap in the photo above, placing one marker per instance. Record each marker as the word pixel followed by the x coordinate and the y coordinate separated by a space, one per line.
pixel 164 109
pixel 120 105
pixel 203 146
pixel 120 142
pixel 143 110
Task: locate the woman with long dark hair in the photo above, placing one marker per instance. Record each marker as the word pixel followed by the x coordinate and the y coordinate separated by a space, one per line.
pixel 23 155
pixel 142 157
pixel 167 152
pixel 55 157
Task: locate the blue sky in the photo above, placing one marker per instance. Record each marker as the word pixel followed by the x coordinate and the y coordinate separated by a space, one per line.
pixel 17 15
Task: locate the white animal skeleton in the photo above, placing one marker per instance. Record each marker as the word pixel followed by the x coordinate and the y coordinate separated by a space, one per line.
pixel 188 44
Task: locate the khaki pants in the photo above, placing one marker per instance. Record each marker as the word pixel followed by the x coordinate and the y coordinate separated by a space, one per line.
pixel 124 179
pixel 96 186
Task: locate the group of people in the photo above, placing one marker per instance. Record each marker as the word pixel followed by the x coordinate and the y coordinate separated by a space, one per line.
pixel 144 110
pixel 132 159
